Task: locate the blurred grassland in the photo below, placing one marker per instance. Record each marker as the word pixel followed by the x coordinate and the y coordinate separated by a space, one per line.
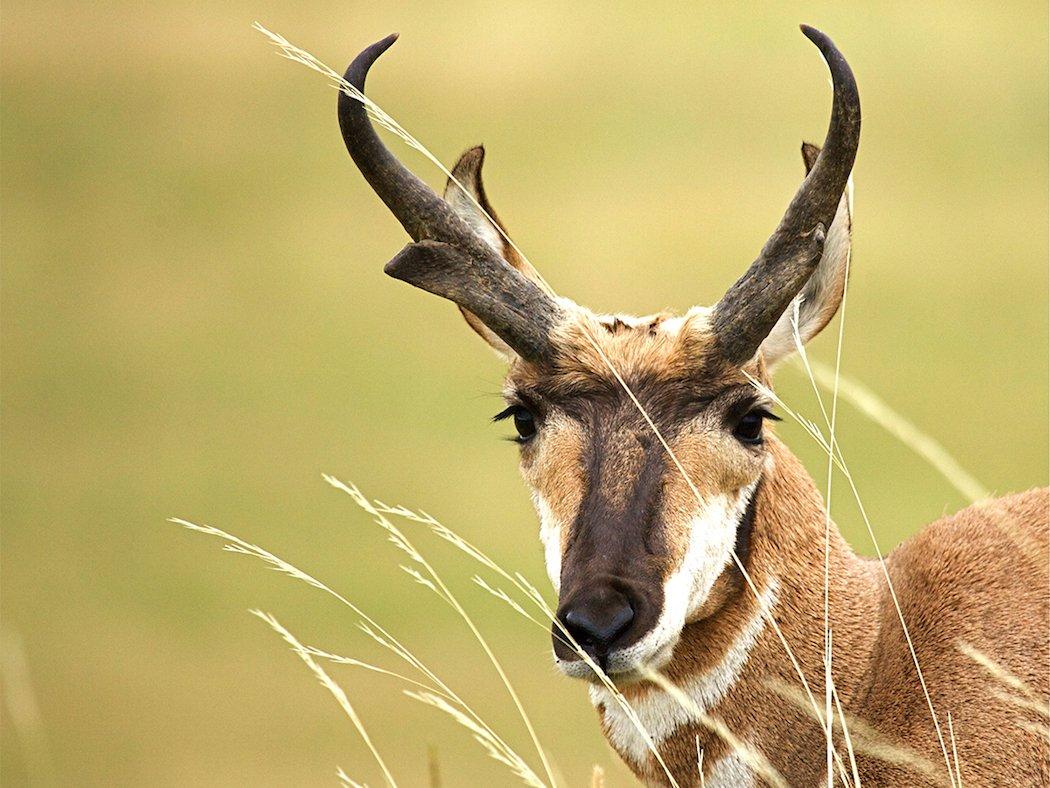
pixel 195 323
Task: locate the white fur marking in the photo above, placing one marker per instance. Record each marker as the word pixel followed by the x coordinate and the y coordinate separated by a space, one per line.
pixel 550 535
pixel 712 532
pixel 730 772
pixel 661 715
pixel 698 317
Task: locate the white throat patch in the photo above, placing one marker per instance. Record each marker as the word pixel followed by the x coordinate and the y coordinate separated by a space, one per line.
pixel 730 771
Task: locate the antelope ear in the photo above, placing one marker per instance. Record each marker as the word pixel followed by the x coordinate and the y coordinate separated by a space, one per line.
pixel 465 192
pixel 819 300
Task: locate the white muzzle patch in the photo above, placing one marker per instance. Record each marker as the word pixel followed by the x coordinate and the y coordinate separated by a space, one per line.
pixel 550 535
pixel 712 533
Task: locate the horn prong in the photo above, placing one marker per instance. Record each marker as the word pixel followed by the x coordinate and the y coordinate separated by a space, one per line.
pixel 515 308
pixel 448 258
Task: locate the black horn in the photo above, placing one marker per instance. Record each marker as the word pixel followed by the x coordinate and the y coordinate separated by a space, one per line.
pixel 751 307
pixel 448 258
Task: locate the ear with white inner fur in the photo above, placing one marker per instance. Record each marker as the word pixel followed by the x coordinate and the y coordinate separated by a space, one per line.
pixel 819 300
pixel 474 208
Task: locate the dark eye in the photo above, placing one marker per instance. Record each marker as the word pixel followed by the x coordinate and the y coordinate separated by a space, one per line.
pixel 524 421
pixel 749 429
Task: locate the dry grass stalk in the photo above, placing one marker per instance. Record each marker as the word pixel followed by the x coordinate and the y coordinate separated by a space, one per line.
pixel 866 739
pixel 955 751
pixel 296 54
pixel 749 755
pixel 800 349
pixel 327 682
pixel 1022 696
pixel 846 735
pixel 338 659
pixel 481 732
pixel 368 626
pixel 875 408
pixel 299 55
pixel 437 585
pixel 998 672
pixel 1028 704
pixel 833 448
pixel 534 595
pixel 483 735
pixel 346 782
pixel 699 498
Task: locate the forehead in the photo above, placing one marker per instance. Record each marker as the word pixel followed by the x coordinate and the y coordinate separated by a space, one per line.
pixel 665 360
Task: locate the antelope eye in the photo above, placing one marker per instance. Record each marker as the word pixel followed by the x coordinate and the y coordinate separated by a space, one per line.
pixel 749 429
pixel 524 421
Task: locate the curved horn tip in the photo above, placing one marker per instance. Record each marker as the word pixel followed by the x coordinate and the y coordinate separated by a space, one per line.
pixel 818 37
pixel 381 46
pixel 358 69
pixel 386 42
pixel 841 73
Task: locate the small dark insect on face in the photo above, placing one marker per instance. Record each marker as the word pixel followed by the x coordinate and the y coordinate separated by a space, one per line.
pixel 619 520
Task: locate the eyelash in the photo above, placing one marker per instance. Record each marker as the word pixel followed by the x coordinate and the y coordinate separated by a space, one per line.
pixel 524 422
pixel 747 428
pixel 740 409
pixel 505 414
pixel 764 413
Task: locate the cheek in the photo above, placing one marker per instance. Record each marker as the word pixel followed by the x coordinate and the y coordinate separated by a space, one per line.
pixel 705 547
pixel 717 465
pixel 552 466
pixel 701 518
pixel 715 460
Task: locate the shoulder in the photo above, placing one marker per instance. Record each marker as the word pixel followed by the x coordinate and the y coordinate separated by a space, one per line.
pixel 1008 533
pixel 975 576
pixel 976 582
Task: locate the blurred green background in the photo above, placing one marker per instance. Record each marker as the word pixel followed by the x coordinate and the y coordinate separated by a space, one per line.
pixel 195 323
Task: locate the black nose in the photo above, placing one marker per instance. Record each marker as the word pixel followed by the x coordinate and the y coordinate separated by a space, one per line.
pixel 596 619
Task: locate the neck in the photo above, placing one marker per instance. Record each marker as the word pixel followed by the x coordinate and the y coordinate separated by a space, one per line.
pixel 732 662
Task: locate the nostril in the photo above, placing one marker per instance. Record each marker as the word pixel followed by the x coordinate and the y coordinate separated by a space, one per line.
pixel 598 622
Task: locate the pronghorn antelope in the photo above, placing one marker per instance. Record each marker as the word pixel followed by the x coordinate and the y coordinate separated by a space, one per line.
pixel 682 536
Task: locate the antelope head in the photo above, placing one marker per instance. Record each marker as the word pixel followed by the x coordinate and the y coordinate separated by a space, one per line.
pixel 642 438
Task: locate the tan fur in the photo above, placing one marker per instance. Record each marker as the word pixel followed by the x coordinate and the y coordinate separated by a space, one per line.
pixel 556 470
